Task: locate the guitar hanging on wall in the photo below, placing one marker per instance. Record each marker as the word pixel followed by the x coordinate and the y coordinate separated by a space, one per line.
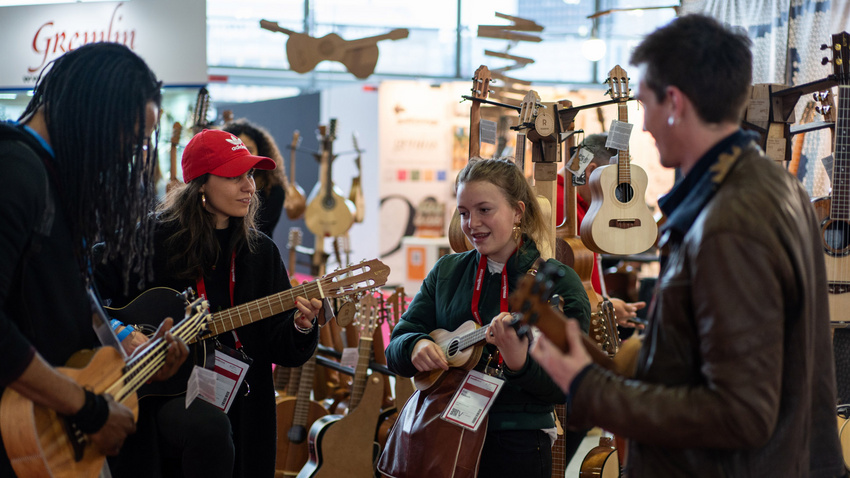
pixel 834 210
pixel 358 56
pixel 328 212
pixel 294 204
pixel 619 221
pixel 173 181
pixel 355 195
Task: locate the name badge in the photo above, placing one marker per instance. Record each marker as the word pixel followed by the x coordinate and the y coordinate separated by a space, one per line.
pixel 473 400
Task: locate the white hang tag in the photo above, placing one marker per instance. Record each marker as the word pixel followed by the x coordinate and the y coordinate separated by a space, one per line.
pixel 584 158
pixel 201 383
pixel 618 135
pixel 230 371
pixel 487 131
pixel 473 400
pixel 349 357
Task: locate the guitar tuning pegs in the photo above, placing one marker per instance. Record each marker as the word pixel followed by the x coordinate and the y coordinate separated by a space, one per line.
pixel 824 46
pixel 824 61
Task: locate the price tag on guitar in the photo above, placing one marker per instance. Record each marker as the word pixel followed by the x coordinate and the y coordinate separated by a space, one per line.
pixel 473 400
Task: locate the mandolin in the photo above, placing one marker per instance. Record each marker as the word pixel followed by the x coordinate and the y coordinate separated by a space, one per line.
pixel 350 280
pixel 359 56
pixel 355 195
pixel 344 445
pixel 44 445
pixel 480 90
pixel 834 210
pixel 619 221
pixel 328 212
pixel 176 130
pixel 294 203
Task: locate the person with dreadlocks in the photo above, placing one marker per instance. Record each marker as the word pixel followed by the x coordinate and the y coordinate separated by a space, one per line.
pixel 75 169
pixel 269 182
pixel 205 237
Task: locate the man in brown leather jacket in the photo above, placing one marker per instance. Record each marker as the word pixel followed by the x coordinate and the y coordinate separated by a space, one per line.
pixel 735 377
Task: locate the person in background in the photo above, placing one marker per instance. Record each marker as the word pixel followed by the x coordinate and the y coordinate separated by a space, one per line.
pixel 74 170
pixel 625 312
pixel 270 183
pixel 501 218
pixel 736 374
pixel 205 239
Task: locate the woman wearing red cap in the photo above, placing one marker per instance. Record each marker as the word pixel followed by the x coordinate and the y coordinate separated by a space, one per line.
pixel 205 238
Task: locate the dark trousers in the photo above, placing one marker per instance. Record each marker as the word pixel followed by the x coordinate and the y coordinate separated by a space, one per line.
pixel 172 441
pixel 525 453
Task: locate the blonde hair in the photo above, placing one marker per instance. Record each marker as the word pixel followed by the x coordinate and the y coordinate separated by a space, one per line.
pixel 505 175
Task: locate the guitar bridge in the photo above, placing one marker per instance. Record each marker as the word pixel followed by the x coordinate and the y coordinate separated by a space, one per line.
pixel 839 287
pixel 77 438
pixel 624 223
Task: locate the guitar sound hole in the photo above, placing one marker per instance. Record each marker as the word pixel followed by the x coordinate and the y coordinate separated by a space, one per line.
pixel 624 192
pixel 451 350
pixel 297 434
pixel 329 202
pixel 836 238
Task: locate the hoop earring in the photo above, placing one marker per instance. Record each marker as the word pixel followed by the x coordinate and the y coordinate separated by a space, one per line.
pixel 517 231
pixel 203 201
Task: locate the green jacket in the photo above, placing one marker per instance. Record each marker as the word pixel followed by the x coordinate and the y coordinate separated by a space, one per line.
pixel 443 302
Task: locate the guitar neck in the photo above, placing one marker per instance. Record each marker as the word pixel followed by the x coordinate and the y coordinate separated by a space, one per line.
pixel 519 155
pixel 559 449
pixel 624 170
pixel 259 309
pixel 358 385
pixel 840 205
pixel 396 34
pixel 467 340
pixel 274 27
pixel 305 386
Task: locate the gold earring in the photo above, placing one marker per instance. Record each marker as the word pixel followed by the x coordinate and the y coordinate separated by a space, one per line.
pixel 517 230
pixel 203 201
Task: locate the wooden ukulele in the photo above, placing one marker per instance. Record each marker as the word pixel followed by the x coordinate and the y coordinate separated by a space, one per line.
pixel 355 195
pixel 480 89
pixel 295 415
pixel 294 203
pixel 619 221
pixel 40 443
pixel 344 445
pixel 359 56
pixel 350 280
pixel 176 130
pixel 834 210
pixel 328 212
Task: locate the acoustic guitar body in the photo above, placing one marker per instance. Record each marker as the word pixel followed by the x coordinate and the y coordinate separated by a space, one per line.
pixel 836 243
pixel 294 202
pixel 292 449
pixel 457 239
pixel 35 437
pixel 329 214
pixel 601 461
pixel 618 221
pixel 345 446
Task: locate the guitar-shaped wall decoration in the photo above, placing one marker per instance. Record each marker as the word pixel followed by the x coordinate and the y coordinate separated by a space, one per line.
pixel 294 203
pixel 359 56
pixel 176 130
pixel 344 445
pixel 356 193
pixel 328 212
pixel 834 210
pixel 619 221
pixel 343 282
pixel 38 442
pixel 480 89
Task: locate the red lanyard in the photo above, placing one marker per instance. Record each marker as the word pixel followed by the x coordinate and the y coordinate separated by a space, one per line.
pixel 202 290
pixel 479 281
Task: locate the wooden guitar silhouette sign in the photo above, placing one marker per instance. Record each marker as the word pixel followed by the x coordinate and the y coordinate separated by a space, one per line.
pixel 328 212
pixel 619 221
pixel 358 56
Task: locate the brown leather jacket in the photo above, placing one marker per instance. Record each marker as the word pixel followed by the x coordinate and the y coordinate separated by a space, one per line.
pixel 735 377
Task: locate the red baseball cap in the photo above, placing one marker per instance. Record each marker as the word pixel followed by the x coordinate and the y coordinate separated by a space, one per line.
pixel 220 153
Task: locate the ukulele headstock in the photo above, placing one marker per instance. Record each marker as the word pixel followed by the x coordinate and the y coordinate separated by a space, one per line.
pixel 528 110
pixel 296 140
pixel 202 105
pixel 176 131
pixel 481 83
pixel 841 57
pixel 618 84
pixel 294 238
pixel 531 299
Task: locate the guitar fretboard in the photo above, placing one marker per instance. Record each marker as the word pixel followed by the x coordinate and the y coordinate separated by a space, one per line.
pixel 305 386
pixel 624 170
pixel 465 341
pixel 840 206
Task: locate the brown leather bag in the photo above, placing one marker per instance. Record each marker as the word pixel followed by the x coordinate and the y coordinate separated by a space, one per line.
pixel 423 444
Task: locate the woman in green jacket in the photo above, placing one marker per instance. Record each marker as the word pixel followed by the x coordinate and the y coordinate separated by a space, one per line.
pixel 501 218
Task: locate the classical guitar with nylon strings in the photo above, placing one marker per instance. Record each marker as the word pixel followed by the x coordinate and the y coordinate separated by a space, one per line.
pixel 619 221
pixel 350 280
pixel 38 442
pixel 359 56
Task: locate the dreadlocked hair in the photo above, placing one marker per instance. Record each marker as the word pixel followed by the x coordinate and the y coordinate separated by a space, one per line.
pixel 504 174
pixel 267 147
pixel 94 100
pixel 194 247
